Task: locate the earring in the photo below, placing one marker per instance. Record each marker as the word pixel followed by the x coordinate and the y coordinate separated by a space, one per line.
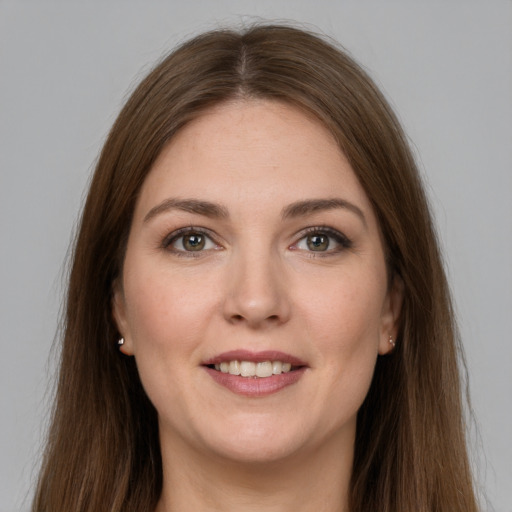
pixel 121 341
pixel 392 341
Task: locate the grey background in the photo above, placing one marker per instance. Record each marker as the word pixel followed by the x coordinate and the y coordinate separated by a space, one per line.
pixel 65 69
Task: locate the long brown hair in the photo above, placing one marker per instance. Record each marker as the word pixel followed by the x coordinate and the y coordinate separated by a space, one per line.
pixel 103 449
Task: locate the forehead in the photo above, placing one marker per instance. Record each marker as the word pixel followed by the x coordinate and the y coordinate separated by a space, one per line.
pixel 252 153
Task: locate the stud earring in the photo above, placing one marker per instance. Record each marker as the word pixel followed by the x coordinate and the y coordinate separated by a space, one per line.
pixel 392 341
pixel 121 341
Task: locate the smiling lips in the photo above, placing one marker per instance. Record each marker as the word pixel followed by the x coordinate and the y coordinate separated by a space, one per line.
pixel 255 373
pixel 251 369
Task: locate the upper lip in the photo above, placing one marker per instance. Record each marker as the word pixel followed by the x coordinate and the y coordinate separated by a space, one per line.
pixel 256 357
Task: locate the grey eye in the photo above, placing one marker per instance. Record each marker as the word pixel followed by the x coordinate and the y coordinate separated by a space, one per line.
pixel 323 240
pixel 193 242
pixel 317 242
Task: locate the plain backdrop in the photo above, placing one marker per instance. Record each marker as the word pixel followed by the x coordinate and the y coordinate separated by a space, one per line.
pixel 67 67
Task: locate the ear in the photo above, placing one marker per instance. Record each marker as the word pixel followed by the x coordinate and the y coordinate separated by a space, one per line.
pixel 391 316
pixel 119 314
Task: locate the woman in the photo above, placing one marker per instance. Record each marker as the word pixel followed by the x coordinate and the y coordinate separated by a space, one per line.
pixel 257 315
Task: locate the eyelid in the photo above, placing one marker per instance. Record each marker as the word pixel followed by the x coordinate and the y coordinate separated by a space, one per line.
pixel 341 239
pixel 178 233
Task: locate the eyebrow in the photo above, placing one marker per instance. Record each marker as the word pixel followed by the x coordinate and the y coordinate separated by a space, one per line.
pixel 310 206
pixel 214 210
pixel 189 205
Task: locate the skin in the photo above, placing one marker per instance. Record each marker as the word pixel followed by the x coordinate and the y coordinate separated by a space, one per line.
pixel 256 285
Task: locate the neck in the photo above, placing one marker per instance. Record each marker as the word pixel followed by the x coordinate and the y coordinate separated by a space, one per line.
pixel 315 480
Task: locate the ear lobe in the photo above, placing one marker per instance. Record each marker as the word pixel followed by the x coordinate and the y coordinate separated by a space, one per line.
pixel 391 316
pixel 119 314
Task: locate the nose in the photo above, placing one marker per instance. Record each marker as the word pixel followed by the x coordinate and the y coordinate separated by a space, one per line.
pixel 257 294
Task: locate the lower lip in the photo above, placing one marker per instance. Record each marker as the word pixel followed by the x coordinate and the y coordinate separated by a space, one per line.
pixel 256 386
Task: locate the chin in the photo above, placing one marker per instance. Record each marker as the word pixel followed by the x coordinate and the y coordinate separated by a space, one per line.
pixel 257 440
pixel 256 452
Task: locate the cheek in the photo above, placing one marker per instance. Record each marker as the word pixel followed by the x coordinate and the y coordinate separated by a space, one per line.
pixel 164 315
pixel 166 312
pixel 344 325
pixel 345 312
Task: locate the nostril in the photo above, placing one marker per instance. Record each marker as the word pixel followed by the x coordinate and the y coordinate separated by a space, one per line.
pixel 240 318
pixel 237 318
pixel 255 307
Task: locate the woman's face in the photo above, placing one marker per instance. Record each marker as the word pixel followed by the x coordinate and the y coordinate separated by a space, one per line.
pixel 254 249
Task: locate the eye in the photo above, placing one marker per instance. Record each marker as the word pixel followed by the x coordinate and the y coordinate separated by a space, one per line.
pixel 323 240
pixel 189 240
pixel 319 242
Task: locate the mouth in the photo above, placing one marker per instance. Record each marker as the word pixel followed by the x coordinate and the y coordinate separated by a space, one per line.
pixel 255 373
pixel 252 369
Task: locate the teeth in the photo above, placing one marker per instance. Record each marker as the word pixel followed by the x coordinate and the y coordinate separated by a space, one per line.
pixel 251 369
pixel 264 369
pixel 234 368
pixel 247 369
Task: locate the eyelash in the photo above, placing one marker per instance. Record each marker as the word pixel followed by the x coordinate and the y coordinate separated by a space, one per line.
pixel 181 233
pixel 333 234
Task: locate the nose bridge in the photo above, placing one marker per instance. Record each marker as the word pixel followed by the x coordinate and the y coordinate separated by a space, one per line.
pixel 257 292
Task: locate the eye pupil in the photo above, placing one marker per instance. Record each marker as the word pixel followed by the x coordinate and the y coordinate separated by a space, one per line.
pixel 318 242
pixel 193 242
